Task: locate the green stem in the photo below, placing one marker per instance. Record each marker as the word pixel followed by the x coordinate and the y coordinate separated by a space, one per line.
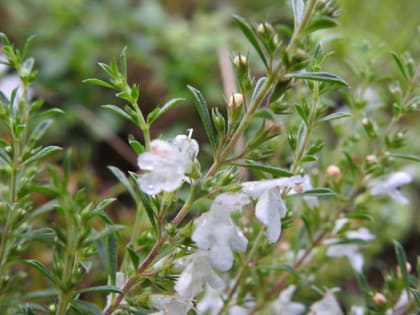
pixel 70 261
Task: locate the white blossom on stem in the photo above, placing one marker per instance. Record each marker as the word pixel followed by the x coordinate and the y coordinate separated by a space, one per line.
pixel 283 304
pixel 328 305
pixel 167 164
pixel 215 231
pixel 270 207
pixel 197 273
pixel 350 250
pixel 211 303
pixel 390 185
pixel 170 305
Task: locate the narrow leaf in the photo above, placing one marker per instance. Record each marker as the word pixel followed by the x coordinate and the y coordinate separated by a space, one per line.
pixel 41 268
pixel 400 65
pixel 275 171
pixel 135 145
pixel 318 76
pixel 320 192
pixel 249 34
pixel 284 267
pixel 203 111
pixel 298 7
pixel 335 116
pixel 83 307
pixel 410 157
pixel 101 288
pixel 98 82
pixel 123 180
pixel 41 154
pixel 165 107
pixel 258 86
pixel 402 261
pixel 321 23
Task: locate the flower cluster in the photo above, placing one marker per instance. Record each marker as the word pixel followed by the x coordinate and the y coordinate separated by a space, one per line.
pixel 168 164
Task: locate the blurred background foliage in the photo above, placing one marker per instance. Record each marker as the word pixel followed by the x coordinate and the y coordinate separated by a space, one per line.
pixel 172 43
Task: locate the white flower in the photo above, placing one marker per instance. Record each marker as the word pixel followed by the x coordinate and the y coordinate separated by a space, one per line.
pixel 167 164
pixel 390 185
pixel 351 251
pixel 270 208
pixel 401 305
pixel 211 303
pixel 357 310
pixel 215 231
pixel 3 67
pixel 238 310
pixel 197 273
pixel 328 305
pixel 283 304
pixel 170 305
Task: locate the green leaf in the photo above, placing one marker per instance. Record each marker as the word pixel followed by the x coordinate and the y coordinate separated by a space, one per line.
pixel 99 82
pixel 360 216
pixel 298 7
pixel 41 154
pixel 275 171
pixel 321 23
pixel 320 192
pixel 303 113
pixel 162 110
pixel 416 294
pixel 400 65
pixel 83 307
pixel 48 113
pixel 410 157
pixel 39 131
pixel 205 117
pixel 249 34
pixel 402 261
pixel 135 145
pixel 41 268
pixel 108 254
pixel 309 158
pixel 258 86
pixel 263 113
pixel 283 267
pixel 318 76
pixel 363 286
pixel 124 181
pixel 45 235
pixel 42 294
pixel 134 257
pixel 335 116
pixel 108 230
pixel 123 61
pixel 101 288
pixel 145 200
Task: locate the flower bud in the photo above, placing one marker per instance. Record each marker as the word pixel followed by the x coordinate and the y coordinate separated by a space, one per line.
pixel 265 28
pixel 236 100
pixel 369 127
pixel 268 36
pixel 371 158
pixel 240 61
pixel 274 128
pixel 379 299
pixel 334 171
